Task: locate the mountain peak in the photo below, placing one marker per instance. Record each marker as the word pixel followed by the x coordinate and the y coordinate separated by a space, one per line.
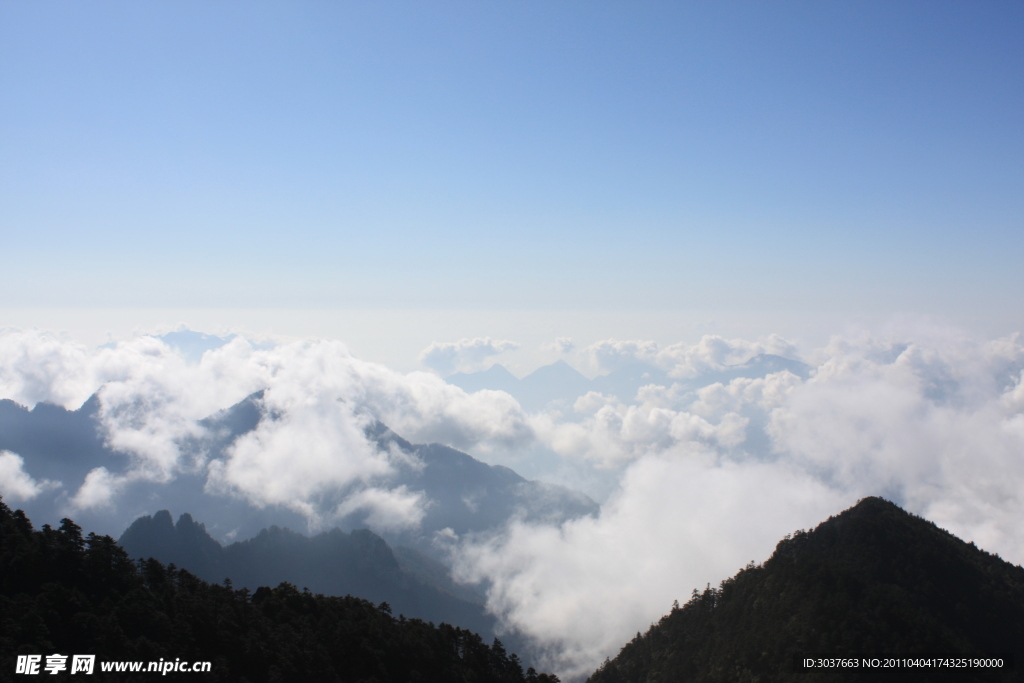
pixel 559 369
pixel 162 519
pixel 872 579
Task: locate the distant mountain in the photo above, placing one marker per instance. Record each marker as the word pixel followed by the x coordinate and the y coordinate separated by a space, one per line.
pixel 496 377
pixel 359 563
pixel 192 344
pixel 559 384
pixel 56 443
pixel 552 383
pixel 625 382
pixel 465 494
pixel 469 496
pixel 871 580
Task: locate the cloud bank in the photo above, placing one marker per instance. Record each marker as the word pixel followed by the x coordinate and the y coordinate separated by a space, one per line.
pixel 682 360
pixel 310 455
pixel 465 355
pixel 710 477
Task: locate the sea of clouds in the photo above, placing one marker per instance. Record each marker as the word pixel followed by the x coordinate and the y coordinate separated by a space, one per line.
pixel 708 477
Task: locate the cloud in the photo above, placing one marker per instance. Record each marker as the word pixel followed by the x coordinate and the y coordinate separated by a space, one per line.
pixel 713 477
pixel 709 476
pixel 464 355
pixel 313 452
pixel 682 360
pixel 612 433
pixel 304 452
pixel 680 520
pixel 562 345
pixel 713 352
pixel 390 510
pixel 938 428
pixel 98 490
pixel 611 354
pixel 15 484
pixel 37 366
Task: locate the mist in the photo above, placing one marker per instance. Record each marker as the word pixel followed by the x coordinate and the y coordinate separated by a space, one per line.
pixel 708 468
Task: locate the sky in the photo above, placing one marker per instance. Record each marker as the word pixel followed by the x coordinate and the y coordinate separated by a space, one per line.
pixel 374 195
pixel 860 158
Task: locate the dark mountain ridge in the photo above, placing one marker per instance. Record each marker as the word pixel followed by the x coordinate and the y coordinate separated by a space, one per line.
pixel 333 563
pixel 62 592
pixel 56 443
pixel 871 580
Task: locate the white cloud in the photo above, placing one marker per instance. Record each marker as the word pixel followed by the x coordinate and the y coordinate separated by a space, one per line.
pixel 744 394
pixel 464 355
pixel 37 366
pixel 938 428
pixel 714 353
pixel 613 433
pixel 315 448
pixel 562 345
pixel 680 520
pixel 305 452
pixel 152 399
pixel 98 490
pixel 713 478
pixel 15 482
pixel 681 360
pixel 387 509
pixel 592 401
pixel 611 354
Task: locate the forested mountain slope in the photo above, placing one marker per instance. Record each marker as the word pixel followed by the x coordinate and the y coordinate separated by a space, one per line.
pixel 874 579
pixel 333 563
pixel 64 593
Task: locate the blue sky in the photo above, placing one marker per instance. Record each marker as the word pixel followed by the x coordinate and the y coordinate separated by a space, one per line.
pixel 571 156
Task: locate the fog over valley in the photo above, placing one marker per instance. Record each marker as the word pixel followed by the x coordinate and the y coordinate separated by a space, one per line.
pixel 541 491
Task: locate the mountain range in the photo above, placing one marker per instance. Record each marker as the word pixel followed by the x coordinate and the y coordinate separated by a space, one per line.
pixel 64 592
pixel 334 562
pixel 63 445
pixel 871 583
pixel 404 567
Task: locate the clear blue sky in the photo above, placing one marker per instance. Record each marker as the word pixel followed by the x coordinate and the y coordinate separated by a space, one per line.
pixel 513 155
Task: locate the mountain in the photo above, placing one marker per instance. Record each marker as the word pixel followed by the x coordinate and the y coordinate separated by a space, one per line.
pixel 496 377
pixel 333 563
pixel 552 383
pixel 625 382
pixel 871 580
pixel 469 496
pixel 56 443
pixel 558 383
pixel 464 494
pixel 194 344
pixel 62 592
